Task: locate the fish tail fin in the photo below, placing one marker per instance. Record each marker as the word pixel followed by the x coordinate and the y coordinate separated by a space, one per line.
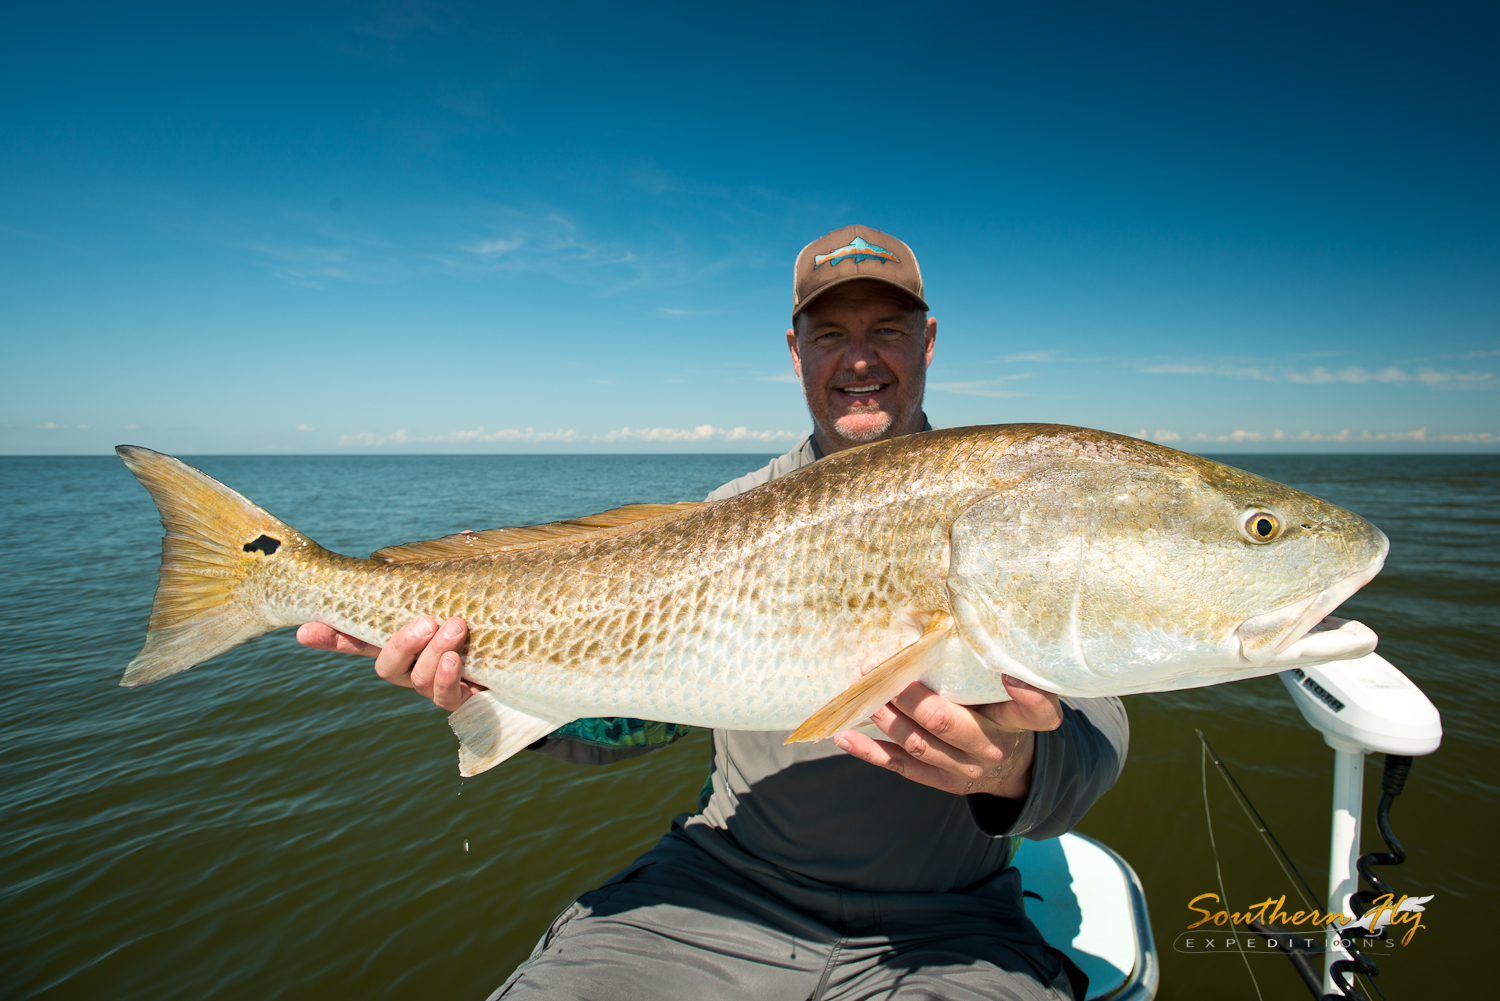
pixel 215 539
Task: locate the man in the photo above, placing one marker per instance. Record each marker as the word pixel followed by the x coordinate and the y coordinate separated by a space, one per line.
pixel 807 873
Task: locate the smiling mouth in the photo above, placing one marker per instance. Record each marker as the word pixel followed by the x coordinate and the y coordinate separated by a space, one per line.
pixel 863 389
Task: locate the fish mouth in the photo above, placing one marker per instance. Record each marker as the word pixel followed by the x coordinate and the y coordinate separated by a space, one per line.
pixel 1305 631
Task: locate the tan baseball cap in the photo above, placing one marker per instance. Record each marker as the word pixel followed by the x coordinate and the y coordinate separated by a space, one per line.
pixel 850 254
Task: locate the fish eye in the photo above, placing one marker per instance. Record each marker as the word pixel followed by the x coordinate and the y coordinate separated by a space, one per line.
pixel 1260 527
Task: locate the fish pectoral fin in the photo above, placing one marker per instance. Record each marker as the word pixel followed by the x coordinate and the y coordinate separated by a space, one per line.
pixel 855 704
pixel 497 540
pixel 489 731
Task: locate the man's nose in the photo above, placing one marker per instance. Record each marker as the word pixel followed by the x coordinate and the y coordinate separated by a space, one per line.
pixel 858 354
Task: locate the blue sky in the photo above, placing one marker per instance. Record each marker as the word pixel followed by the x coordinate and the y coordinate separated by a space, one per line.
pixel 459 227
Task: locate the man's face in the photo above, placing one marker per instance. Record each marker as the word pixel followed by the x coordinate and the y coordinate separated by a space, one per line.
pixel 862 357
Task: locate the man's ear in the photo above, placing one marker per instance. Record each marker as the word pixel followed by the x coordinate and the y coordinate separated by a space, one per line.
pixel 931 340
pixel 791 344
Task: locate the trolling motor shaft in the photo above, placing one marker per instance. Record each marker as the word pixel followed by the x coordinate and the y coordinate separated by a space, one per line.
pixel 1361 706
pixel 1392 781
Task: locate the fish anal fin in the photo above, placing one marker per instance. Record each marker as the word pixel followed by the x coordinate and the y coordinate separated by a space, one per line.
pixel 495 540
pixel 489 731
pixel 854 704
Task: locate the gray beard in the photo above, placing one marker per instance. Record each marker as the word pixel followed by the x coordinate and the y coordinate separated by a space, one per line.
pixel 867 434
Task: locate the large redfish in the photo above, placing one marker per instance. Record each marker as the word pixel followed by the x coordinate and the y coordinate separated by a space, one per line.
pixel 1082 562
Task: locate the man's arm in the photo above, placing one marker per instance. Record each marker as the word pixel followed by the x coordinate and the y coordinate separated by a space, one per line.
pixel 959 749
pixel 424 655
pixel 1074 765
pixel 1029 766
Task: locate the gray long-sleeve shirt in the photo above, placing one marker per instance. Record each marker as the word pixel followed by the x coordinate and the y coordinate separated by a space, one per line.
pixel 813 815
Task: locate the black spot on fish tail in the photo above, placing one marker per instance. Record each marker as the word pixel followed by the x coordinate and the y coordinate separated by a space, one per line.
pixel 264 544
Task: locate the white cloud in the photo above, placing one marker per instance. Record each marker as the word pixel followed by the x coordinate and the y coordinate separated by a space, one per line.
pixel 1238 436
pixel 1354 374
pixel 1432 378
pixel 308 264
pixel 1390 373
pixel 783 377
pixel 983 387
pixel 1320 375
pixel 1032 356
pixel 305 427
pixel 1180 368
pixel 494 246
pixel 478 434
pixel 315 250
pixel 1472 437
pixel 703 432
pixel 50 426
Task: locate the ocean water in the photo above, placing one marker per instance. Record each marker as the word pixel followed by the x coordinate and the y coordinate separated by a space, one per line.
pixel 280 824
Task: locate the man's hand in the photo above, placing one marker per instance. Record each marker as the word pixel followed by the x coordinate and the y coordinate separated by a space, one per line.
pixel 421 655
pixel 960 749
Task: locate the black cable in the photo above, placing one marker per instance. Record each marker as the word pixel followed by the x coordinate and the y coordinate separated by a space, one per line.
pixel 1392 781
pixel 1397 768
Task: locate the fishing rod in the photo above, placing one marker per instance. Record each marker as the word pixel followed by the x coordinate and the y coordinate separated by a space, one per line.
pixel 1261 827
pixel 1299 957
pixel 1393 780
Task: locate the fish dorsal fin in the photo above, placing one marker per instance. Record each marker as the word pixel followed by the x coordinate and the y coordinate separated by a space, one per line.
pixel 495 540
pixel 854 704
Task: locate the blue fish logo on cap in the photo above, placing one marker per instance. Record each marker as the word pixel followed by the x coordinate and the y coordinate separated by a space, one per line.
pixel 857 251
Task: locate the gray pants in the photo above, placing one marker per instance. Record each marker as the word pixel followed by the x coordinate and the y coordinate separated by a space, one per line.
pixel 679 923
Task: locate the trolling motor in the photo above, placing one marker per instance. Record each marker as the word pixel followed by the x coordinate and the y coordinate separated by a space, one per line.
pixel 1361 706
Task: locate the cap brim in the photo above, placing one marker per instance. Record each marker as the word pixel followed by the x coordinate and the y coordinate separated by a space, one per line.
pixel 920 304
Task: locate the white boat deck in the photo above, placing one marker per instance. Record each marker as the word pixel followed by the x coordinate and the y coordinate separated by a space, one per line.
pixel 1093 909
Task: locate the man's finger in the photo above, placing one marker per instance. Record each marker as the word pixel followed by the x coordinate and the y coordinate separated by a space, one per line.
pixel 449 690
pixel 894 758
pixel 396 658
pixel 447 641
pixel 922 745
pixel 949 722
pixel 1030 708
pixel 321 636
